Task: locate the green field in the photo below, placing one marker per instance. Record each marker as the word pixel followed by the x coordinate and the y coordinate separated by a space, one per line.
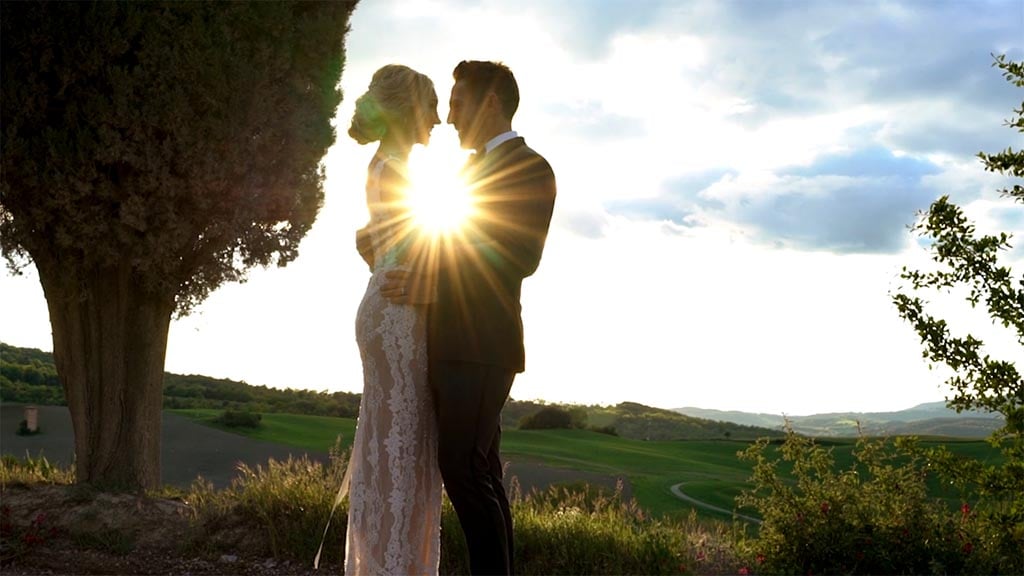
pixel 310 432
pixel 709 469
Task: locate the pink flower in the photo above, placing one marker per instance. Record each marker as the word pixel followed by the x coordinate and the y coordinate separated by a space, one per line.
pixel 760 558
pixel 744 571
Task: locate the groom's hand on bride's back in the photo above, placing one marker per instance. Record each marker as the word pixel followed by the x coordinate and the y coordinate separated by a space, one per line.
pixel 408 287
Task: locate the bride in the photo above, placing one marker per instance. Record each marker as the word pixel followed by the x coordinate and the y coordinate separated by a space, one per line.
pixel 394 484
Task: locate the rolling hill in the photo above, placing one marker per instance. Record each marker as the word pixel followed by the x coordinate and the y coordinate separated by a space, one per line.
pixel 928 419
pixel 28 375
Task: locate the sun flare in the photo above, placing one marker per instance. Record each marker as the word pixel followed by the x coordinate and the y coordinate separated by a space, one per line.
pixel 439 199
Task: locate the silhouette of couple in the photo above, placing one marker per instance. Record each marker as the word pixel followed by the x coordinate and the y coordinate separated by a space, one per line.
pixel 439 328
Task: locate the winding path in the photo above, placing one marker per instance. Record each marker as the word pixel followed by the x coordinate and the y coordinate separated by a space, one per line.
pixel 678 493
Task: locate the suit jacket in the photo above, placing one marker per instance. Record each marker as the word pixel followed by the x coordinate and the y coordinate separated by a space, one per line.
pixel 476 315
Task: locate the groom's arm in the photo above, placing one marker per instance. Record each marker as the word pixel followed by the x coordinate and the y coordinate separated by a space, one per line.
pixel 517 220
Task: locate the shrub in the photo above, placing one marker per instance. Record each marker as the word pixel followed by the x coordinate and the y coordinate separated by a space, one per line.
pixel 547 418
pixel 23 429
pixel 17 541
pixel 287 502
pixel 609 430
pixel 239 419
pixel 577 530
pixel 874 518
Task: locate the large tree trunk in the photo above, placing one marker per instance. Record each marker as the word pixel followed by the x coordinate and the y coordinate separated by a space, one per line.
pixel 109 344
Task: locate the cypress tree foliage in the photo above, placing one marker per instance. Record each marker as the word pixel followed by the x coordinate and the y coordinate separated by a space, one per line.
pixel 151 152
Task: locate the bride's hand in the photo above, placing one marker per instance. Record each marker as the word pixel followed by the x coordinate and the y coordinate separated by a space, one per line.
pixel 405 287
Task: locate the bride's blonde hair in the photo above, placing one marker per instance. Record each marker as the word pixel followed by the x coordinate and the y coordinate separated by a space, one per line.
pixel 395 97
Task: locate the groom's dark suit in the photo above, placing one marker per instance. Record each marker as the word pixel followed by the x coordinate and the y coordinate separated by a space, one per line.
pixel 475 337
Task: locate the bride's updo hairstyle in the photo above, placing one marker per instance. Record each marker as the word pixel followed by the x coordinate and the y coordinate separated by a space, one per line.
pixel 396 96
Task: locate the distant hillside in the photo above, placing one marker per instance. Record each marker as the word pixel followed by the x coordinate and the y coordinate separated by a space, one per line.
pixel 930 418
pixel 632 420
pixel 28 375
pixel 640 422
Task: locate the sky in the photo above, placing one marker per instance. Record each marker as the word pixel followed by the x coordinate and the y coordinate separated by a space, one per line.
pixel 735 185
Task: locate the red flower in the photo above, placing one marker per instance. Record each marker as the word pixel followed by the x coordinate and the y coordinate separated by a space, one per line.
pixel 760 558
pixel 968 548
pixel 744 571
pixel 965 510
pixel 824 507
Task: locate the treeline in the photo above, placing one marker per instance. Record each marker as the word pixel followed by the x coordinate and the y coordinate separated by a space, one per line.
pixel 29 376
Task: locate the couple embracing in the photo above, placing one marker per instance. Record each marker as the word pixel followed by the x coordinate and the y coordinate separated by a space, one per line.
pixel 439 328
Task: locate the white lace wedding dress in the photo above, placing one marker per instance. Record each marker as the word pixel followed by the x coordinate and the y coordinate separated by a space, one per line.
pixel 394 512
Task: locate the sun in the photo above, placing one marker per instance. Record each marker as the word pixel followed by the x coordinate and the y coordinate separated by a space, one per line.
pixel 438 198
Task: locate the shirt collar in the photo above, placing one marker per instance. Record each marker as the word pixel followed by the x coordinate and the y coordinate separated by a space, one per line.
pixel 498 140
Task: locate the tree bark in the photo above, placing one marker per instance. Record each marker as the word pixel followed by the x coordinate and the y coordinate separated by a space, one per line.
pixel 109 345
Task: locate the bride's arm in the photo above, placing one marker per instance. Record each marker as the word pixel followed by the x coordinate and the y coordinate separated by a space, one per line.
pixel 364 244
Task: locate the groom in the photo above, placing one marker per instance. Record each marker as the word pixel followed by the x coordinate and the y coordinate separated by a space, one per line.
pixel 475 331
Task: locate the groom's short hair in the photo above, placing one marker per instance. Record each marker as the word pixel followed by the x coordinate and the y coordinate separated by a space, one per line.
pixel 483 77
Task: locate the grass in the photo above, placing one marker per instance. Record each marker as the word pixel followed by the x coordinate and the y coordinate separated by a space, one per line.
pixel 317 433
pixel 708 469
pixel 652 467
pixel 280 509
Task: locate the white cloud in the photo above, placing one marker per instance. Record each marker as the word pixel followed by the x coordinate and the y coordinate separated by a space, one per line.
pixel 676 273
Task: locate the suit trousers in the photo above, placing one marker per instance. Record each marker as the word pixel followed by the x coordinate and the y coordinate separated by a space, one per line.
pixel 468 399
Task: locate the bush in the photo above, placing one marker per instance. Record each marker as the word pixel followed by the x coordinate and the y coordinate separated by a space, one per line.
pixel 609 430
pixel 239 419
pixel 547 418
pixel 288 503
pixel 23 429
pixel 875 518
pixel 574 530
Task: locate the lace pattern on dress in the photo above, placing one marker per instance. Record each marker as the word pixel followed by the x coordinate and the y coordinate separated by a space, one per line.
pixel 394 482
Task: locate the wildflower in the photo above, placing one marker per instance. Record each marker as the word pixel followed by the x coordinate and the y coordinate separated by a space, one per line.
pixel 760 558
pixel 824 507
pixel 968 548
pixel 744 571
pixel 965 510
